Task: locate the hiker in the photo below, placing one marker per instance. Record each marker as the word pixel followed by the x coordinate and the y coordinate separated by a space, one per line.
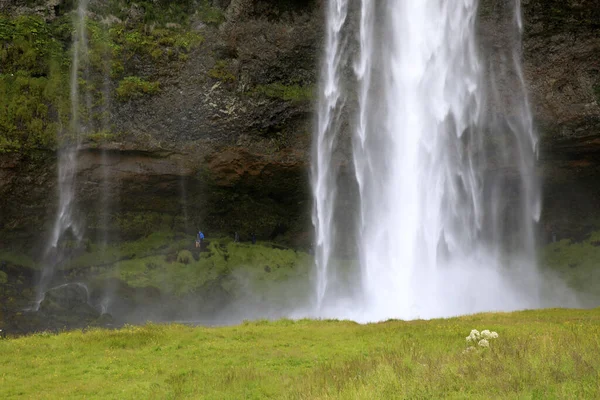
pixel 253 238
pixel 236 237
pixel 199 239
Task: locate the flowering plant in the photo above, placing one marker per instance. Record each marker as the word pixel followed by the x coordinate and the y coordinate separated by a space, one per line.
pixel 481 339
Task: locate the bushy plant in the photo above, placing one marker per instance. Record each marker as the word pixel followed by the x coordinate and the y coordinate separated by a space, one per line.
pixel 209 14
pixel 184 257
pixel 221 72
pixel 293 93
pixel 481 339
pixel 133 87
pixel 3 277
pixel 34 96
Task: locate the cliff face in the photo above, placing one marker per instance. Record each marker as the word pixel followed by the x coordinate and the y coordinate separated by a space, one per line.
pixel 562 66
pixel 223 145
pixel 206 117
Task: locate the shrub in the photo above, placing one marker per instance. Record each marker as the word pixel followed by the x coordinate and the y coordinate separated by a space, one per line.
pixel 294 93
pixel 220 72
pixel 209 14
pixel 133 87
pixel 34 93
pixel 184 257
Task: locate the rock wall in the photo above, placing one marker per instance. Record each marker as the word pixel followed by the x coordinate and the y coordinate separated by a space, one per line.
pixel 562 66
pixel 225 144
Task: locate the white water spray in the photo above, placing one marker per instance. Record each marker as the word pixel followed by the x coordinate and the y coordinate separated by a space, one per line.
pixel 433 236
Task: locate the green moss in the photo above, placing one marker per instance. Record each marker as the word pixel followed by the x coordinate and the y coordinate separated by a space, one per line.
pixel 34 94
pixel 293 93
pixel 209 14
pixel 576 263
pixel 135 225
pixel 156 243
pixel 221 72
pixel 35 63
pixel 18 259
pixel 103 136
pixel 184 257
pixel 133 87
pixel 3 277
pixel 154 46
pixel 173 264
pixel 154 11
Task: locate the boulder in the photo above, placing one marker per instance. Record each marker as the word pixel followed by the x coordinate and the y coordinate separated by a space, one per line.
pixel 70 300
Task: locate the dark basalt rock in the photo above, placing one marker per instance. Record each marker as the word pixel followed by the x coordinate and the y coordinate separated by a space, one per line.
pixel 70 300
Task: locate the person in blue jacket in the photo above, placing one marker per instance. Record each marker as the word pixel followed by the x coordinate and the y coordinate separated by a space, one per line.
pixel 199 239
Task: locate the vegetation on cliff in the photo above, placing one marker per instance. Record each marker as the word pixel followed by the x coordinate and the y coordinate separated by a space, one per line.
pixel 538 354
pixel 33 83
pixel 129 49
pixel 173 265
pixel 162 272
pixel 575 262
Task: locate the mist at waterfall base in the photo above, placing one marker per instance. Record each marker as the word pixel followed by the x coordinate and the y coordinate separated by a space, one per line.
pixel 445 187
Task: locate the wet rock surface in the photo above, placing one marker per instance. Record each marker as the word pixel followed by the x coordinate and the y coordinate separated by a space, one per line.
pixel 69 299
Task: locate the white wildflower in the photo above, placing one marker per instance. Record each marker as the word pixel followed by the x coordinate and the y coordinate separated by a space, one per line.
pixel 486 334
pixel 494 335
pixel 484 343
pixel 474 336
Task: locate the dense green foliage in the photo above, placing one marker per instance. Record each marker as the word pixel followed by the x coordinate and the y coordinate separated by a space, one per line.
pixel 33 83
pixel 539 354
pixel 132 87
pixel 221 72
pixel 125 60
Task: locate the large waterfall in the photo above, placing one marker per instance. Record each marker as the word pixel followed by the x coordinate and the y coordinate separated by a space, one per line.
pixel 446 197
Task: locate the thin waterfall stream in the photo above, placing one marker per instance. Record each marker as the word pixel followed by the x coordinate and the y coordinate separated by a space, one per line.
pixel 66 225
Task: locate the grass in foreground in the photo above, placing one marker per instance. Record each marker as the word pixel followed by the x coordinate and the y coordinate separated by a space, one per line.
pixel 539 355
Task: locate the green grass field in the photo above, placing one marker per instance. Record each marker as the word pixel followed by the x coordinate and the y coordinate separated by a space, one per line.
pixel 539 355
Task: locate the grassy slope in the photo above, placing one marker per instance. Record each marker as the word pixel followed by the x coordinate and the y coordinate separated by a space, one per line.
pixel 168 264
pixel 539 354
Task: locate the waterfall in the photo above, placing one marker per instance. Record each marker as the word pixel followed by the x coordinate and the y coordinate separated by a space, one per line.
pixel 109 197
pixel 323 170
pixel 66 221
pixel 443 159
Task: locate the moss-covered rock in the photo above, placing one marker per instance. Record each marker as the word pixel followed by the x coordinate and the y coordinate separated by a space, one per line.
pixel 576 262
